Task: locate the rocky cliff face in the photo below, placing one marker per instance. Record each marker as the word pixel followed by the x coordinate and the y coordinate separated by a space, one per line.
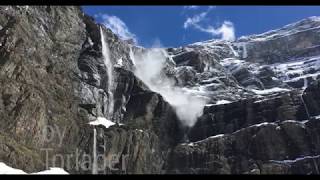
pixel 261 114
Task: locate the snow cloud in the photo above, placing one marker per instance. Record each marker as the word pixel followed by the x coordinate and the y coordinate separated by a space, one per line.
pixel 150 69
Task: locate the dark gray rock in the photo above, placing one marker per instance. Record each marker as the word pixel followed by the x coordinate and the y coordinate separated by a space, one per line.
pixel 53 79
pixel 268 148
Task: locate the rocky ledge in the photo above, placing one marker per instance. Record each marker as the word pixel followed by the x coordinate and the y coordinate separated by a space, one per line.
pixel 261 92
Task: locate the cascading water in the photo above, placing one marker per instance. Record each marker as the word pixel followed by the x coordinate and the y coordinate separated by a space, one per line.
pixel 109 114
pixel 109 68
pixel 132 57
pixel 305 85
pixel 95 163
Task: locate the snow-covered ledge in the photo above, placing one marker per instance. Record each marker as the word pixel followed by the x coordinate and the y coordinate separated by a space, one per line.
pixel 5 169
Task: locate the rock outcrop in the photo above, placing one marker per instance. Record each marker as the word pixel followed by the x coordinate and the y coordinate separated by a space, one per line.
pixel 261 116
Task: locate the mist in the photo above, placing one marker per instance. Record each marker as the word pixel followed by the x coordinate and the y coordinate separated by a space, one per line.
pixel 149 68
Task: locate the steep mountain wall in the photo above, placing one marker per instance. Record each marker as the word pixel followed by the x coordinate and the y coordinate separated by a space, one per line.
pixel 261 92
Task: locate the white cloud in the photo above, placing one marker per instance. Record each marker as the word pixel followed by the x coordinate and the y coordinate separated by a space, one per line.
pixel 118 27
pixel 226 31
pixel 191 7
pixel 193 21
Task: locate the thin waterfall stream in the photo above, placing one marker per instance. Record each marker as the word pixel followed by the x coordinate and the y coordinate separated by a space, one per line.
pixel 305 85
pixel 109 114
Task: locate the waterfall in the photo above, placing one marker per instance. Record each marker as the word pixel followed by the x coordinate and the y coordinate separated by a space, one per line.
pixel 109 68
pixel 109 115
pixel 236 54
pixel 245 52
pixel 305 85
pixel 132 57
pixel 243 47
pixel 95 160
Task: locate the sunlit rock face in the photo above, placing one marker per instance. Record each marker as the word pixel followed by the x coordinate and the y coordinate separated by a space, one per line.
pixel 213 107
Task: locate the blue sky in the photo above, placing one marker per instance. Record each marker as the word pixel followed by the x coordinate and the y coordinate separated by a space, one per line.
pixel 173 26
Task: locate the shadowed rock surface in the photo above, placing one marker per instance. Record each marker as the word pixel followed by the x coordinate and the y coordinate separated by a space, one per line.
pixel 262 114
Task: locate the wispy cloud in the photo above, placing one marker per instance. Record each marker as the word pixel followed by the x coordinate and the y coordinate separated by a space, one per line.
pixel 226 31
pixel 117 26
pixel 191 7
pixel 195 20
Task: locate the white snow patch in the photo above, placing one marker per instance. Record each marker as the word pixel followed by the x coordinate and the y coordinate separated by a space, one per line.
pixel 270 91
pixel 216 136
pixel 5 169
pixel 210 137
pixel 223 102
pixel 90 42
pixel 140 130
pixel 304 76
pixel 231 61
pixel 300 123
pixel 102 121
pixel 297 69
pixel 53 171
pixel 119 63
pixel 262 124
pixel 294 160
pixel 191 144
